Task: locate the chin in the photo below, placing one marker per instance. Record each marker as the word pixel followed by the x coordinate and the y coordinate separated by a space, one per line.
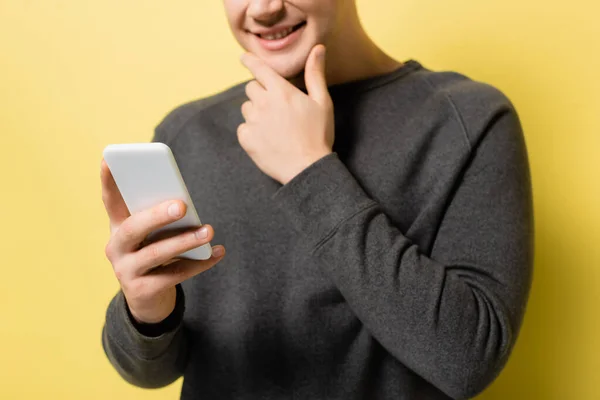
pixel 288 63
pixel 285 54
pixel 287 68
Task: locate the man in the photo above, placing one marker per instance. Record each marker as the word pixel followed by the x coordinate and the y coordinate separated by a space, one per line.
pixel 383 251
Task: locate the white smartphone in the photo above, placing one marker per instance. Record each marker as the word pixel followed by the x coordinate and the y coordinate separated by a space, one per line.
pixel 147 175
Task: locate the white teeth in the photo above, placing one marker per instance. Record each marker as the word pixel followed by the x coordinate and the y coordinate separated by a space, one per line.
pixel 278 35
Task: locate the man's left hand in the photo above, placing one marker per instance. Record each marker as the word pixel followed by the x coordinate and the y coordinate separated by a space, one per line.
pixel 286 130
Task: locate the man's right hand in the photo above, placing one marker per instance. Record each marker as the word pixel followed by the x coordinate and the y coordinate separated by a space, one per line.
pixel 148 275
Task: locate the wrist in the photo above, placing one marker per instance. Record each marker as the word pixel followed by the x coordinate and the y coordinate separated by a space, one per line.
pixel 310 160
pixel 155 311
pixel 163 325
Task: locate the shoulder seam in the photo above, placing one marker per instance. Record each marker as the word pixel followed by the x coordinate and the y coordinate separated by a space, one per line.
pixel 173 136
pixel 458 115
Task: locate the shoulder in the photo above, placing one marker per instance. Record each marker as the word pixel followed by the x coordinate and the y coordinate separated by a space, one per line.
pixel 476 105
pixel 215 106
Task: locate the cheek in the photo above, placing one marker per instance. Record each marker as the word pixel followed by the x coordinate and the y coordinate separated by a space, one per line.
pixel 323 15
pixel 235 11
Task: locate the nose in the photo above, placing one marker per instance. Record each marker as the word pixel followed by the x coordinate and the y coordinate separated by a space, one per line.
pixel 266 12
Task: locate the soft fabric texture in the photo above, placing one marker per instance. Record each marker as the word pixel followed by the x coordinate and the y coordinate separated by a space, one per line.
pixel 397 267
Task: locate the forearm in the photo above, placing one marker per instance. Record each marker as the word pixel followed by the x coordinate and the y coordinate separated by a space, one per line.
pixel 451 315
pixel 448 322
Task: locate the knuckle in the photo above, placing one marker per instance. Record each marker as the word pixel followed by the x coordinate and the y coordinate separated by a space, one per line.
pixel 152 254
pixel 119 273
pixel 155 252
pixel 241 133
pixel 127 231
pixel 262 102
pixel 252 85
pixel 158 215
pixel 191 240
pixel 246 110
pixel 109 252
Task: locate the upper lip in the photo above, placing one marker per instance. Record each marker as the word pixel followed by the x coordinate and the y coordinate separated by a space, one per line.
pixel 274 30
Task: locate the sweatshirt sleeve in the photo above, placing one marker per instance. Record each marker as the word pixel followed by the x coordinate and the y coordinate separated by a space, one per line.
pixel 147 356
pixel 144 361
pixel 451 316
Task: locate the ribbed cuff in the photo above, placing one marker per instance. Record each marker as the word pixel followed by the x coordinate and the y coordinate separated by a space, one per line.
pixel 168 324
pixel 120 328
pixel 321 197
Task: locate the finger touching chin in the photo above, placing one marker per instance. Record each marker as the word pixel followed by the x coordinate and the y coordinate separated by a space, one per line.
pixel 287 65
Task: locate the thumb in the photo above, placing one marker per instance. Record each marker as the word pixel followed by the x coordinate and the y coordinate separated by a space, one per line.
pixel 314 75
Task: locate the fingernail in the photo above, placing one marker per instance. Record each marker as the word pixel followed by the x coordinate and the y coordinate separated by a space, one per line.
pixel 217 251
pixel 202 233
pixel 174 210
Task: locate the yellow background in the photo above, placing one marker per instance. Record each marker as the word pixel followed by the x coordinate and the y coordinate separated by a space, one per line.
pixel 76 75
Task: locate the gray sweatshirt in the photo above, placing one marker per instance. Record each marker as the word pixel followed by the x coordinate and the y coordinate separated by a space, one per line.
pixel 397 267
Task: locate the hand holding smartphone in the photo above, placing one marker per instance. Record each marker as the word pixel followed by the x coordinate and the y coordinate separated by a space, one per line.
pixel 147 201
pixel 147 175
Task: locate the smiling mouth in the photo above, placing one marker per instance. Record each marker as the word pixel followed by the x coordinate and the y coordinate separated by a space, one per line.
pixel 281 34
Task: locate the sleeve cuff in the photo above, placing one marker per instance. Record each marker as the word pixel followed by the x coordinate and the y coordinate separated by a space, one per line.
pixel 321 197
pixel 122 329
pixel 168 324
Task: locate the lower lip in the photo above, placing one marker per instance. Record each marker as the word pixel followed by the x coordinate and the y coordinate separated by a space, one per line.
pixel 280 44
